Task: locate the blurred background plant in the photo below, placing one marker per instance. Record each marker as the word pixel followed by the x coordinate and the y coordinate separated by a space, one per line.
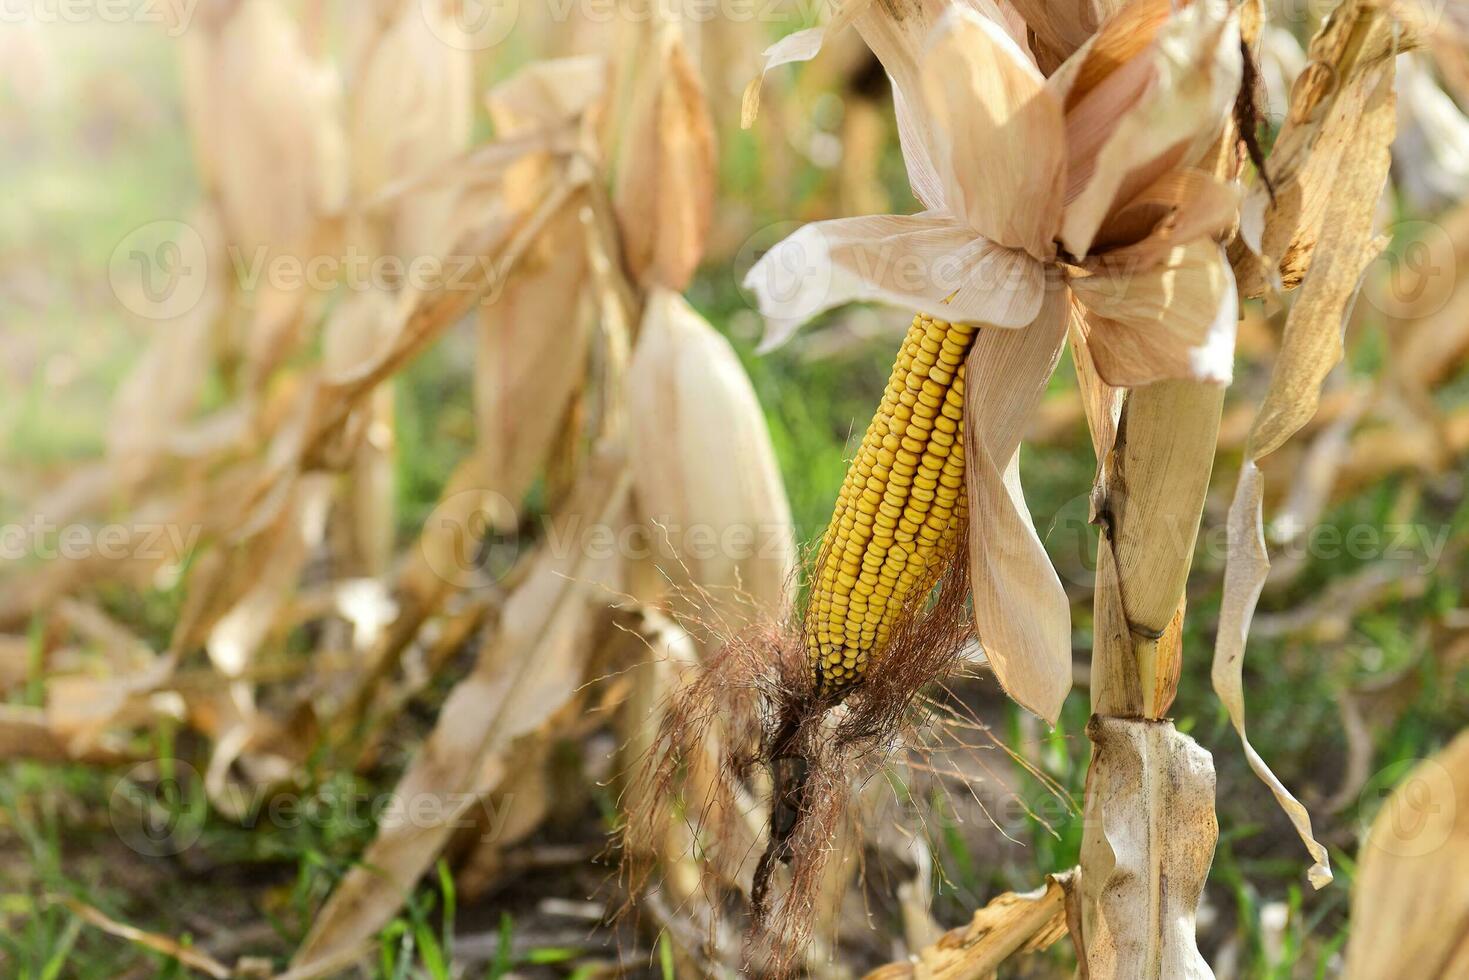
pixel 324 323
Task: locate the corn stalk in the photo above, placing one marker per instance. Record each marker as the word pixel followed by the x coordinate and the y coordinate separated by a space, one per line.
pixel 1150 827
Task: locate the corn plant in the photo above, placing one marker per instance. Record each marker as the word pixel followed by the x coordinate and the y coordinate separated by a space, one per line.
pixel 1093 177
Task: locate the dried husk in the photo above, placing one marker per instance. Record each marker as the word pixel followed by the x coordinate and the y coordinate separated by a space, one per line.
pixel 666 174
pixel 410 110
pixel 267 123
pixel 1020 610
pixel 531 361
pixel 1100 402
pixel 535 329
pixel 708 488
pixel 1063 27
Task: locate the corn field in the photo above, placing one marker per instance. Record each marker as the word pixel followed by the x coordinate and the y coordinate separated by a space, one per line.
pixel 715 488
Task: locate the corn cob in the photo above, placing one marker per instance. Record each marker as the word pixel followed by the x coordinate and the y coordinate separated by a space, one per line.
pixel 900 509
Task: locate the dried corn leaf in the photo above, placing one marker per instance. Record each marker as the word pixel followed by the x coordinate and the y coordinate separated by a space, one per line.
pixel 801 45
pixel 410 110
pixel 532 357
pixel 1244 576
pixel 665 187
pixel 165 386
pixel 363 535
pixel 520 803
pixel 268 126
pixel 445 558
pixel 1020 610
pixel 423 317
pixel 1333 122
pixel 27 733
pixel 1011 923
pixel 1337 245
pixel 1410 907
pixel 1312 342
pixel 1147 845
pixel 82 710
pixel 525 674
pixel 709 490
pixel 262 577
